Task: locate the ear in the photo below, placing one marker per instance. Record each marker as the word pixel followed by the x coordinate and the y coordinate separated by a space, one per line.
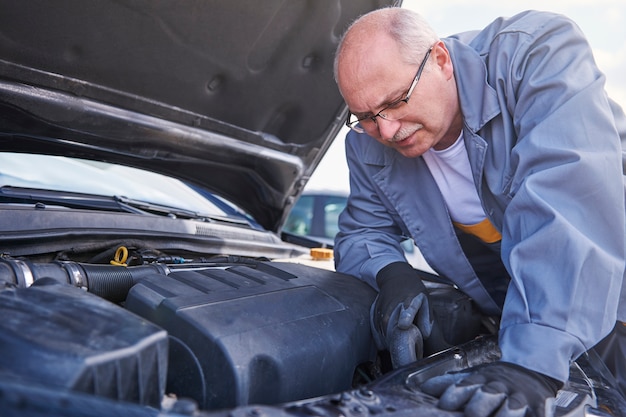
pixel 442 59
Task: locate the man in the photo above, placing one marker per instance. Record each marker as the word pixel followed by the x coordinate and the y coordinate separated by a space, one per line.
pixel 497 151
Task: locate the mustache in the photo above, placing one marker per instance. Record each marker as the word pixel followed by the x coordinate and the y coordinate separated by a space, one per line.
pixel 405 132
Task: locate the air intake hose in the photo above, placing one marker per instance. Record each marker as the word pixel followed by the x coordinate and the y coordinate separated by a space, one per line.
pixel 107 281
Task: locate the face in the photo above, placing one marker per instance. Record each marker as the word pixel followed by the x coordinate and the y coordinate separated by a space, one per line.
pixel 372 79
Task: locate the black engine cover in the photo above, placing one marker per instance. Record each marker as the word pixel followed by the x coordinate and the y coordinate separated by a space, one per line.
pixel 258 332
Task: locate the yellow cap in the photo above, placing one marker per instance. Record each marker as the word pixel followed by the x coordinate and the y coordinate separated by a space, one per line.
pixel 319 254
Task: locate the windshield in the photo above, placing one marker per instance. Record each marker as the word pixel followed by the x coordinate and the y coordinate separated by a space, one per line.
pixel 65 174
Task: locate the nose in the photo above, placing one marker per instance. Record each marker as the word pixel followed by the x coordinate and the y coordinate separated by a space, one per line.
pixel 388 128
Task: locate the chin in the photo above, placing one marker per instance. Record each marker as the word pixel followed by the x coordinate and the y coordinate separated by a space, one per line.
pixel 412 151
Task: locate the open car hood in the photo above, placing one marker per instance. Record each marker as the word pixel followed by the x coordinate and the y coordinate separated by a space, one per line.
pixel 235 96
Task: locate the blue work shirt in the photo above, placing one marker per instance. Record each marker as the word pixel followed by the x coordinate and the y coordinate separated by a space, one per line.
pixel 544 148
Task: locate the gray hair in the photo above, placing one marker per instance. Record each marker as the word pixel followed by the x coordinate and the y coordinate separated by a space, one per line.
pixel 409 29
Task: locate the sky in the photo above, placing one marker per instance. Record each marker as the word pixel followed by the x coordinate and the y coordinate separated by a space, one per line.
pixel 602 21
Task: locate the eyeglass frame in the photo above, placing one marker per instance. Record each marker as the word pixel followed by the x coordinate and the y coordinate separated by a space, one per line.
pixel 407 96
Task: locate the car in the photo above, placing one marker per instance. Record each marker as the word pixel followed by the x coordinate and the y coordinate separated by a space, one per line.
pixel 315 215
pixel 150 153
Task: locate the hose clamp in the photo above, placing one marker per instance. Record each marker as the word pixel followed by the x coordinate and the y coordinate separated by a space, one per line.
pixel 75 274
pixel 21 270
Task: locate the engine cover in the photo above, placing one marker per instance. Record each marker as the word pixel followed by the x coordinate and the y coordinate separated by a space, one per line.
pixel 258 332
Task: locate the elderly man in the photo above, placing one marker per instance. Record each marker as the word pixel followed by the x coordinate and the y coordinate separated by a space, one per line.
pixel 498 152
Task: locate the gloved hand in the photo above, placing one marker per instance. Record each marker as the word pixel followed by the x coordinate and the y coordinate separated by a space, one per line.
pixel 500 389
pixel 400 315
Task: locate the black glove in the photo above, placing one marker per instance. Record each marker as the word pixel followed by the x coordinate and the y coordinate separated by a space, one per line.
pixel 501 389
pixel 400 315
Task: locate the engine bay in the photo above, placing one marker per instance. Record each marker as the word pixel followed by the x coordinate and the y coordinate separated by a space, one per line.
pixel 228 333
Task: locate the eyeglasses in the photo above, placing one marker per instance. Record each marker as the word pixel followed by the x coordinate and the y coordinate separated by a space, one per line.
pixel 395 110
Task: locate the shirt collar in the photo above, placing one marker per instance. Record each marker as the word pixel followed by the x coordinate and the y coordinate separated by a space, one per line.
pixel 478 100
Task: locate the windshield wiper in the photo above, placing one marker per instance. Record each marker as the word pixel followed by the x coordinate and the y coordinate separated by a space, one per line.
pixel 153 208
pixel 138 206
pixel 9 194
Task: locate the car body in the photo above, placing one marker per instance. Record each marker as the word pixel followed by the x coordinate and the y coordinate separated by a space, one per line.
pixel 316 215
pixel 150 153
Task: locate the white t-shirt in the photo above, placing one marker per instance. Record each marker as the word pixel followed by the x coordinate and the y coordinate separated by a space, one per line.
pixel 451 169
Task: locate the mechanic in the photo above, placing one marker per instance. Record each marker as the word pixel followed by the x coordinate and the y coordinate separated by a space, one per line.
pixel 499 153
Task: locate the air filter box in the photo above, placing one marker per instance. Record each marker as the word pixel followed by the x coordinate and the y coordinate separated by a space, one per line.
pixel 258 332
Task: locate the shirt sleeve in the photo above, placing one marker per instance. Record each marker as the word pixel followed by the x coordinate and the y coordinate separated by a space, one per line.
pixel 564 228
pixel 369 234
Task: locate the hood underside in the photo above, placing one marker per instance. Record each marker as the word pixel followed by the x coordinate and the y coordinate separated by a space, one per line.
pixel 235 96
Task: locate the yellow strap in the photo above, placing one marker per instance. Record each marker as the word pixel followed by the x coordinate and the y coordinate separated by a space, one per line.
pixel 484 230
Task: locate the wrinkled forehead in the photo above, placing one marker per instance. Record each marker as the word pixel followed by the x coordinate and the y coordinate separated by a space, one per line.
pixel 370 71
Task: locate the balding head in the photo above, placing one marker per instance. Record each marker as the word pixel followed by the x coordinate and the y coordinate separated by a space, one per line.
pixel 409 30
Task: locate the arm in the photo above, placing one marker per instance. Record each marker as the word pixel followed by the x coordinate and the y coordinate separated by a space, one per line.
pixel 368 246
pixel 555 155
pixel 563 231
pixel 369 235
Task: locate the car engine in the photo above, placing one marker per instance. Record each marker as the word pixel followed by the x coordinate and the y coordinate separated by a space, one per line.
pixel 226 336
